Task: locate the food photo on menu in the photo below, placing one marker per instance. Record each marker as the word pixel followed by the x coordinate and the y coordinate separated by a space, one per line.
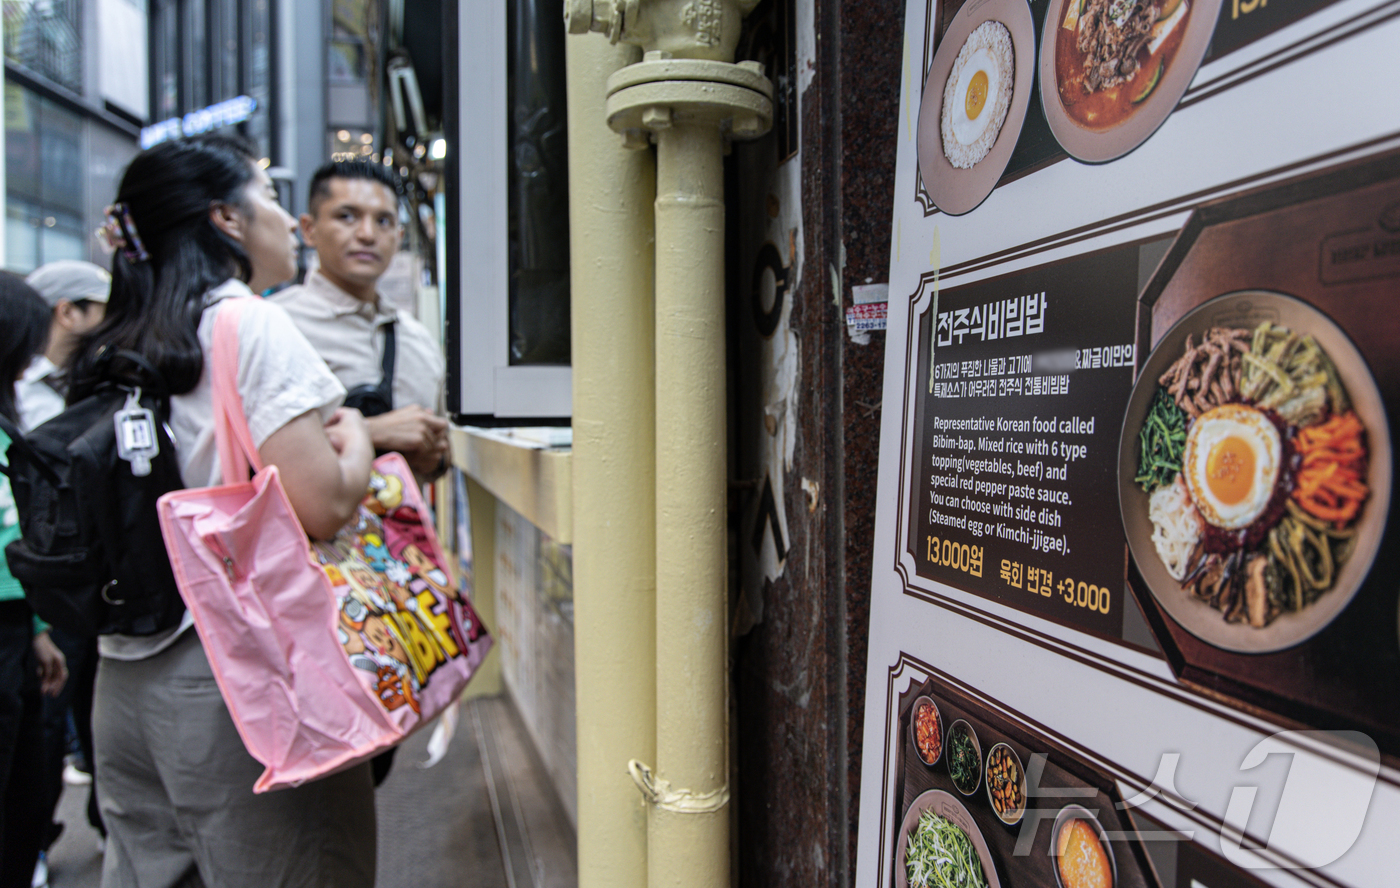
pixel 1255 459
pixel 1111 54
pixel 1109 73
pixel 1254 508
pixel 1251 435
pixel 977 95
pixel 985 802
pixel 1113 70
pixel 1011 88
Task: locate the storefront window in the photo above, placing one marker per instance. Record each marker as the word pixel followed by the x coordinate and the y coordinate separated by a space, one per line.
pixel 539 186
pixel 223 41
pixel 257 71
pixel 348 66
pixel 207 51
pixel 165 59
pixel 45 37
pixel 196 50
pixel 347 60
pixel 507 263
pixel 44 200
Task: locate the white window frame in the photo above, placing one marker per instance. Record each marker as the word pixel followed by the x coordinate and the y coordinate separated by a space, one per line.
pixel 489 384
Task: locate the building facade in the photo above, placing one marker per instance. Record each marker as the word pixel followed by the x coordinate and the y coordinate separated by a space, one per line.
pixel 88 83
pixel 75 99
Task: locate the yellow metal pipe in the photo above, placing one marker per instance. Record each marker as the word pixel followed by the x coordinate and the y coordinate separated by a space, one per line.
pixel 689 832
pixel 610 191
pixel 689 98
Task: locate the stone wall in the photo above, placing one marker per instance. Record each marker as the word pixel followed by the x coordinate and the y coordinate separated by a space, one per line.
pixel 809 220
pixel 535 641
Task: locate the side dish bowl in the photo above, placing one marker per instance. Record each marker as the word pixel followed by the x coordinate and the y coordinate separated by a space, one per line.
pixel 930 747
pixel 1006 784
pixel 964 757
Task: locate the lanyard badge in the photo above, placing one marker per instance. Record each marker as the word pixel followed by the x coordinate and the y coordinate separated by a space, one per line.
pixel 136 434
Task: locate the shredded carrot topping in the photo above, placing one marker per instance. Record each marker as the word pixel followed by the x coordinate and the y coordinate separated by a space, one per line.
pixel 1331 481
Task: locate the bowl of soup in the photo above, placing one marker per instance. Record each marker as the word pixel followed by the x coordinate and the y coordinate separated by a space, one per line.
pixel 1111 71
pixel 1081 851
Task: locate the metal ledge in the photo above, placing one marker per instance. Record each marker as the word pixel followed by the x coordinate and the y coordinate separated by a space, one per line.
pixel 537 482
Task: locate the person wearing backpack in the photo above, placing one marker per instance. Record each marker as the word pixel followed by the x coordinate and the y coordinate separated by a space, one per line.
pixel 30 664
pixel 196 222
pixel 76 293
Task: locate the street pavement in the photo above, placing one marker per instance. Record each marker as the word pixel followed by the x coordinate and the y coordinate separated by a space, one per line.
pixel 484 816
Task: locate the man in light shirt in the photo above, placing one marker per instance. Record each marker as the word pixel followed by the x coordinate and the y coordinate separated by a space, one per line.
pixel 353 224
pixel 390 365
pixel 77 293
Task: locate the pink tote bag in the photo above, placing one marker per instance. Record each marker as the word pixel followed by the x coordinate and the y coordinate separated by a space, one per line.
pixel 328 652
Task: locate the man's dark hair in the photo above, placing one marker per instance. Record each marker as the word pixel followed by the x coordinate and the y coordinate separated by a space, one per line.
pixel 349 169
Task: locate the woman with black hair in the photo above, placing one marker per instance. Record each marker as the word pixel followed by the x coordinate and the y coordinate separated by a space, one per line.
pixel 30 663
pixel 196 222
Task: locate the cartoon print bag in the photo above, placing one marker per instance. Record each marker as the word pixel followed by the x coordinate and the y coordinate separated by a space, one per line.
pixel 325 653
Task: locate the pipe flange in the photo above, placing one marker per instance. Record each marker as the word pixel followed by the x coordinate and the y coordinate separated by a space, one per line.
pixel 748 75
pixel 666 92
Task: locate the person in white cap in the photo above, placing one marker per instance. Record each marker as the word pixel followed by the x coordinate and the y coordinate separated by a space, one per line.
pixel 76 291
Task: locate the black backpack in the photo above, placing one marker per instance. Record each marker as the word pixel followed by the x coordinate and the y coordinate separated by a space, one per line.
pixel 91 557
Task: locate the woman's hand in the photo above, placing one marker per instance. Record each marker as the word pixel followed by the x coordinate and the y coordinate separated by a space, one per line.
pixel 325 468
pixel 53 667
pixel 345 425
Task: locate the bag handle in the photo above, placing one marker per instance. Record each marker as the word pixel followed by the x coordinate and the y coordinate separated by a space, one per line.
pixel 232 436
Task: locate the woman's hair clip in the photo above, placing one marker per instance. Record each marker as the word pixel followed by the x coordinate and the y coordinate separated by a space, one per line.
pixel 119 233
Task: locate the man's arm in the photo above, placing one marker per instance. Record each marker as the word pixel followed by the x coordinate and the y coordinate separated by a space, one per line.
pixel 416 433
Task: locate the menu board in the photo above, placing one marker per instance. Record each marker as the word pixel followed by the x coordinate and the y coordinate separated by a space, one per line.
pixel 1135 608
pixel 1016 430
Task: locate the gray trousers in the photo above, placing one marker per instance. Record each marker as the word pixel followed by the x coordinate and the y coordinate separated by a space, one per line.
pixel 176 791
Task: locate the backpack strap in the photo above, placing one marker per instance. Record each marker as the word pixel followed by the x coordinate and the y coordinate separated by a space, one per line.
pixel 19 443
pixel 146 375
pixel 232 436
pixel 16 440
pixel 386 379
